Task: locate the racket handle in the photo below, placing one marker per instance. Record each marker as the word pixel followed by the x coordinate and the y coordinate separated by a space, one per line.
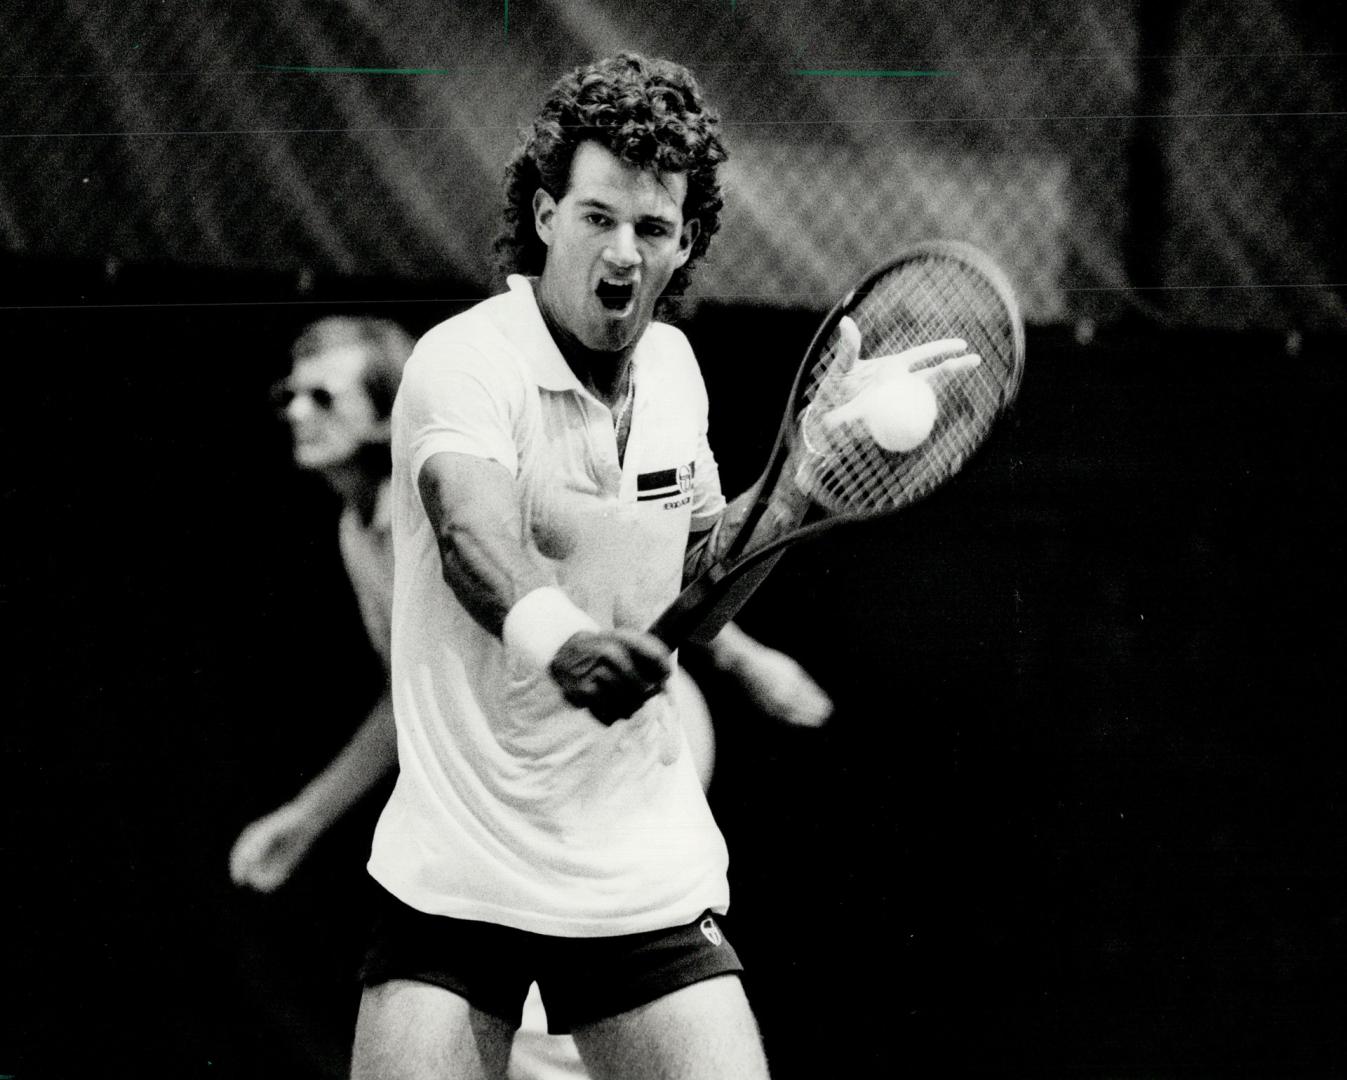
pixel 702 609
pixel 677 622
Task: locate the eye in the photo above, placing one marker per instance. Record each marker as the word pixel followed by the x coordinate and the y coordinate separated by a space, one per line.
pixel 654 230
pixel 599 221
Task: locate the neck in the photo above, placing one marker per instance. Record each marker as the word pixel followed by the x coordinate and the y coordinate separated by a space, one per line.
pixel 604 374
pixel 356 482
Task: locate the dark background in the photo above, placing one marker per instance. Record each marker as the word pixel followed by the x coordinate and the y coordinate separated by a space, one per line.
pixel 1080 811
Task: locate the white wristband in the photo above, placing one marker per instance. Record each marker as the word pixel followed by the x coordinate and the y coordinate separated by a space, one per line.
pixel 539 624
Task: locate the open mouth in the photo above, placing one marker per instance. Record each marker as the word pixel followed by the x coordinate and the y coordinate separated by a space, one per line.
pixel 615 295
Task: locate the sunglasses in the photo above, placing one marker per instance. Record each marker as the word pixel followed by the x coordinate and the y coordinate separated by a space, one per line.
pixel 282 394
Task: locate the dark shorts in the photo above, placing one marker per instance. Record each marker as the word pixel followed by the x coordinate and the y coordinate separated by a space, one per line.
pixel 581 980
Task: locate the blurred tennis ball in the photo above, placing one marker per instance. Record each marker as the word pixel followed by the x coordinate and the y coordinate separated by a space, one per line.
pixel 899 413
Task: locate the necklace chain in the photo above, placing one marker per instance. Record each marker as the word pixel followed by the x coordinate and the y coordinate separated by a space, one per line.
pixel 626 404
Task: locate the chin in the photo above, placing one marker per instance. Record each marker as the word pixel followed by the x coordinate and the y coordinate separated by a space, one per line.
pixel 606 338
pixel 617 334
pixel 313 458
pixel 623 337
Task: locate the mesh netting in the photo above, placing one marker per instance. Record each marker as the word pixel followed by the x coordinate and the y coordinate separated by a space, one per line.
pixel 365 139
pixel 939 293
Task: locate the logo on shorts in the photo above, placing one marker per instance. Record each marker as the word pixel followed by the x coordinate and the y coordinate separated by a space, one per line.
pixel 711 931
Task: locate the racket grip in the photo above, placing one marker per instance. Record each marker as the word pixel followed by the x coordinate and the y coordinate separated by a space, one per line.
pixel 677 622
pixel 704 607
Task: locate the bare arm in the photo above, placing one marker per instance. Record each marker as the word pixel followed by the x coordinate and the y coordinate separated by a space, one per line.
pixel 473 507
pixel 774 682
pixel 369 756
pixel 777 684
pixel 846 379
pixel 268 850
pixel 785 509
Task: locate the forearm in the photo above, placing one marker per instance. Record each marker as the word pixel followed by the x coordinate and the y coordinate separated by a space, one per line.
pixel 777 684
pixel 730 649
pixel 489 572
pixel 786 508
pixel 784 511
pixel 473 509
pixel 369 756
pixel 508 588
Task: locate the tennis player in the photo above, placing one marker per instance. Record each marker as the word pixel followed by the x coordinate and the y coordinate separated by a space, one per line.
pixel 336 400
pixel 551 472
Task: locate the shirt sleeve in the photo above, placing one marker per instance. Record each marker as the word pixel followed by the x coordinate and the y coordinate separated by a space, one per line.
pixel 455 399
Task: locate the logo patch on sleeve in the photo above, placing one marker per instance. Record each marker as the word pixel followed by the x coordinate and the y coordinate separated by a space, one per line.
pixel 672 484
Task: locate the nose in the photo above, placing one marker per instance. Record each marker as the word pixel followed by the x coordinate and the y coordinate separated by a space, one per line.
pixel 621 252
pixel 300 406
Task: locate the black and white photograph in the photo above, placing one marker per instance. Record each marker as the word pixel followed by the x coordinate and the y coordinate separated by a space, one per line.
pixel 562 540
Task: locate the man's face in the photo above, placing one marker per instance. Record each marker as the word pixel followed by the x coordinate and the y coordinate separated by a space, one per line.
pixel 613 241
pixel 329 411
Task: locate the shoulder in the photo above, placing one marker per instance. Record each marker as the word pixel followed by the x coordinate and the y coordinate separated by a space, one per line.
pixel 668 356
pixel 469 345
pixel 478 331
pixel 669 344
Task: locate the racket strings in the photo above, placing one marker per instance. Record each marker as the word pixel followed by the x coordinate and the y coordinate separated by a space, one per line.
pixel 931 297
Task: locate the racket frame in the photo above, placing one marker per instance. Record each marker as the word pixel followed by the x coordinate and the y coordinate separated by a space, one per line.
pixel 691 607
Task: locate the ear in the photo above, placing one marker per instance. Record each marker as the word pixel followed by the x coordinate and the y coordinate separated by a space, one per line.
pixel 544 211
pixel 691 230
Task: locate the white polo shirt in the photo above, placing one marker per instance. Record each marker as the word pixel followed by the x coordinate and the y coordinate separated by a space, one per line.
pixel 511 806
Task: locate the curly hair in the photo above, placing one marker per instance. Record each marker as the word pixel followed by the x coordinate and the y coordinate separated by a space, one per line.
pixel 648 113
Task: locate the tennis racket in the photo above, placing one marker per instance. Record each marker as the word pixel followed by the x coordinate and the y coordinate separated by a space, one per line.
pixel 858 439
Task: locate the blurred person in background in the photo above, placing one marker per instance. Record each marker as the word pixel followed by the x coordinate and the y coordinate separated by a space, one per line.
pixel 337 401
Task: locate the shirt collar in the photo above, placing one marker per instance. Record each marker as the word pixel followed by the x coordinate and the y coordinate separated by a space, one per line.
pixel 524 327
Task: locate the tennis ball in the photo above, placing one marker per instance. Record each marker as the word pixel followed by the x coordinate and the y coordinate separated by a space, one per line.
pixel 900 413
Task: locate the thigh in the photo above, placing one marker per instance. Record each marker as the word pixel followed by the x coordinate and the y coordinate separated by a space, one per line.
pixel 536 1055
pixel 415 1031
pixel 705 1031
